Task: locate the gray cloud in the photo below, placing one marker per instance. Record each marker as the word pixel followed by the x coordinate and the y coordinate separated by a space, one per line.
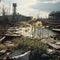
pixel 47 6
pixel 47 0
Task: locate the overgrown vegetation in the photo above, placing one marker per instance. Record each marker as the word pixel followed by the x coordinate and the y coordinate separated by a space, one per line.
pixel 32 44
pixel 38 49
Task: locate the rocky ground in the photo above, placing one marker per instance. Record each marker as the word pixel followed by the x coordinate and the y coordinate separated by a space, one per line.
pixel 38 47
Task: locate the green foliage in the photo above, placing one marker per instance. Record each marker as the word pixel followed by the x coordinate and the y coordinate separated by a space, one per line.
pixel 25 42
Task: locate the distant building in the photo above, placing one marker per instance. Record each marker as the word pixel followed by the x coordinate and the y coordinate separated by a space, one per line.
pixel 54 15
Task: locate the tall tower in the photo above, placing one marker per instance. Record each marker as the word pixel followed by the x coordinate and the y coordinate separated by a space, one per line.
pixel 14 8
pixel 14 17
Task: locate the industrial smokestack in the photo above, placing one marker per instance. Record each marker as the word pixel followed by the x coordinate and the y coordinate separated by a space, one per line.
pixel 14 8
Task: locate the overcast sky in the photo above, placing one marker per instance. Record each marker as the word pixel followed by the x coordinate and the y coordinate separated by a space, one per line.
pixel 33 7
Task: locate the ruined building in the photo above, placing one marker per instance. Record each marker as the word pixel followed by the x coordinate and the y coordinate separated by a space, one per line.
pixel 14 18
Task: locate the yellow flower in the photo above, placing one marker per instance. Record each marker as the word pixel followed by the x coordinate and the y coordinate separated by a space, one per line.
pixel 27 30
pixel 33 18
pixel 39 24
